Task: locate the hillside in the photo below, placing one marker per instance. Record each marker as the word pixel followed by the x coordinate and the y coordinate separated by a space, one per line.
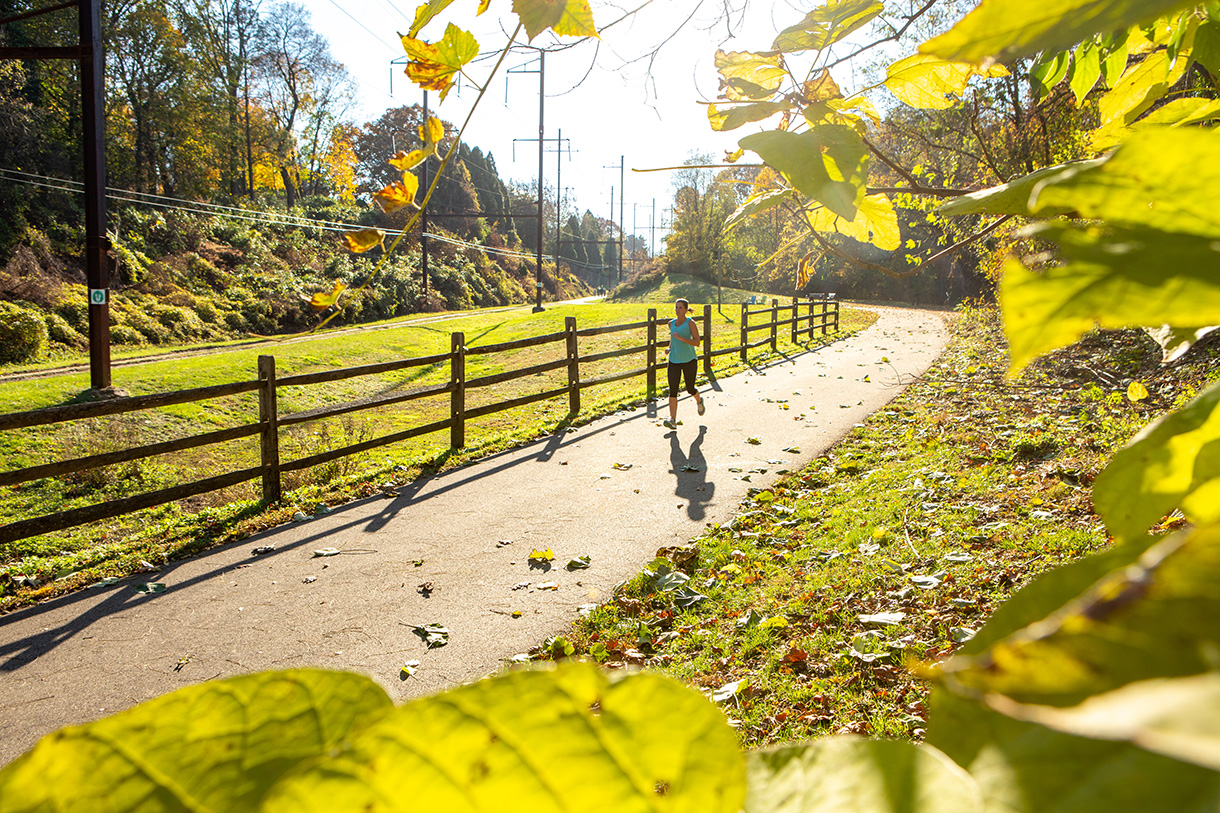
pixel 183 278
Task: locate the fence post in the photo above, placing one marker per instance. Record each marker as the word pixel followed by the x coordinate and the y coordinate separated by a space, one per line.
pixel 569 324
pixel 836 315
pixel 652 353
pixel 795 305
pixel 457 379
pixel 707 340
pixel 745 330
pixel 825 313
pixel 774 324
pixel 810 331
pixel 268 416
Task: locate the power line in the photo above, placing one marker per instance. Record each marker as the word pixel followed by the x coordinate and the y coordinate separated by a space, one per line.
pixel 192 207
pixel 365 27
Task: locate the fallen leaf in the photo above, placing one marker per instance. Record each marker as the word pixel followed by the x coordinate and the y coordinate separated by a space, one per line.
pixel 960 635
pixel 622 466
pixel 434 635
pixel 546 586
pixel 925 582
pixel 728 691
pixel 541 555
pixel 792 450
pixel 753 441
pixel 1136 392
pixel 579 563
pixel 309 579
pixel 882 619
pixel 686 597
pixel 408 669
pixel 326 552
pixel 689 467
pixel 672 580
pixel 151 588
pixel 521 585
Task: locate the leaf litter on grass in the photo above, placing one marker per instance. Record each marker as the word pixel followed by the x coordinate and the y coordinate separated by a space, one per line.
pixel 894 547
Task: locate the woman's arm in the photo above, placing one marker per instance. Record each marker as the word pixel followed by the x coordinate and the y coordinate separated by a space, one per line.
pixel 694 332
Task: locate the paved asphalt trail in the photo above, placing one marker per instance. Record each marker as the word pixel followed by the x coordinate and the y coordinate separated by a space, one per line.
pixel 100 650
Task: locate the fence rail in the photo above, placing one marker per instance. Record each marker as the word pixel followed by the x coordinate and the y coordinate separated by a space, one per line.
pixel 821 313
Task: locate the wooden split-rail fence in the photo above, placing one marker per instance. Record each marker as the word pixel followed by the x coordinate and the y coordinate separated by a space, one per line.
pixel 803 317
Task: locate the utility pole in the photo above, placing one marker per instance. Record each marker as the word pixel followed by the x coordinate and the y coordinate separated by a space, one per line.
pixel 423 215
pixel 541 134
pixel 541 140
pixel 622 163
pixel 652 228
pixel 90 55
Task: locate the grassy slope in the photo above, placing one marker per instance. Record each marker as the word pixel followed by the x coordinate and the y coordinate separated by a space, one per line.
pixel 28 568
pixel 936 509
pixel 696 291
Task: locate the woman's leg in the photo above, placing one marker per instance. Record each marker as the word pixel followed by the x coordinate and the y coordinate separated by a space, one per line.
pixel 674 374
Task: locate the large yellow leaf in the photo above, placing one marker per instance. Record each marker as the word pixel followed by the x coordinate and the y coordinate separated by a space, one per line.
pixel 1140 87
pixel 570 18
pixel 1007 29
pixel 320 301
pixel 749 76
pixel 432 131
pixel 425 13
pixel 433 66
pixel 363 240
pixel 932 83
pixel 728 116
pixel 876 222
pixel 398 194
pixel 827 24
pixel 410 160
pixel 568 739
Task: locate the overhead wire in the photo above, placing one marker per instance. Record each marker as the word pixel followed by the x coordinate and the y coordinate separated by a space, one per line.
pixel 220 210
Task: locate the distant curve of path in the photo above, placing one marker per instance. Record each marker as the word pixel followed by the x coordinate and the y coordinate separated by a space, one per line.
pixel 226 612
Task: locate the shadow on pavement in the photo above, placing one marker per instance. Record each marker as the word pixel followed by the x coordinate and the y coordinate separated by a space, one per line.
pixel 690 471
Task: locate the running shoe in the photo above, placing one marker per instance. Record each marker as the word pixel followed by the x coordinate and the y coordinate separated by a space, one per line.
pixel 669 424
pixel 702 408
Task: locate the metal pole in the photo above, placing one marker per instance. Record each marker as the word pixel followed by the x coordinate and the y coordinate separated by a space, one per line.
pixel 608 270
pixel 423 215
pixel 622 196
pixel 558 192
pixel 652 228
pixel 92 68
pixel 538 259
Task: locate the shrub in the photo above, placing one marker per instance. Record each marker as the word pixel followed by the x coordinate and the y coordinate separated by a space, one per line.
pixel 124 334
pixel 151 329
pixel 23 334
pixel 234 321
pixel 58 330
pixel 75 308
pixel 207 311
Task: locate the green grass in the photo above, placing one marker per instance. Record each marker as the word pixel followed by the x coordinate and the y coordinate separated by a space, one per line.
pixel 46 565
pixel 696 291
pixel 937 508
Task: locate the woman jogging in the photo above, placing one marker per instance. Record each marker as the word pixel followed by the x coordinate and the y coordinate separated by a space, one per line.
pixel 683 339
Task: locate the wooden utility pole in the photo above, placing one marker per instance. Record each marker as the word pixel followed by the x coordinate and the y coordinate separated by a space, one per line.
pixel 89 54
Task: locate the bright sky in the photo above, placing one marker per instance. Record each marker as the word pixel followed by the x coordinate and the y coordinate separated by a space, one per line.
pixel 607 106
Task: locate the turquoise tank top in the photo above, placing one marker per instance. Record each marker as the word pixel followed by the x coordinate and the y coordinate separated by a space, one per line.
pixel 681 352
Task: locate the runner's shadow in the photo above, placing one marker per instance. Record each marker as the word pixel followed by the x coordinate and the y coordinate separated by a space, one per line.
pixel 692 486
